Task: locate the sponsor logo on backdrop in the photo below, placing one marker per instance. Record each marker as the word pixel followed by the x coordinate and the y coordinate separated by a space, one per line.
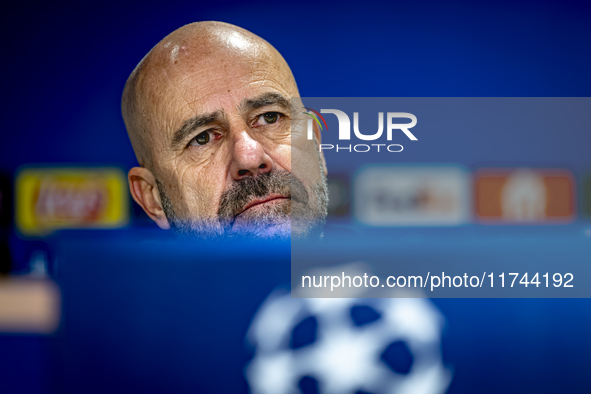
pixel 344 132
pixel 525 195
pixel 407 196
pixel 49 198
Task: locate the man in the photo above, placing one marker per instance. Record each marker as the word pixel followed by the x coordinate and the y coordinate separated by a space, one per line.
pixel 210 115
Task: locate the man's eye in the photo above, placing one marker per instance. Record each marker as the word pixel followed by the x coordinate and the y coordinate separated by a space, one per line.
pixel 269 117
pixel 200 139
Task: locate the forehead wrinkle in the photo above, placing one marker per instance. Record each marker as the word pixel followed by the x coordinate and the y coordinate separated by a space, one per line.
pixel 264 100
pixel 181 82
pixel 221 76
pixel 237 63
pixel 257 81
pixel 201 74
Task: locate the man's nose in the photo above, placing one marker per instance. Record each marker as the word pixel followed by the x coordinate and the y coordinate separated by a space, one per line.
pixel 248 157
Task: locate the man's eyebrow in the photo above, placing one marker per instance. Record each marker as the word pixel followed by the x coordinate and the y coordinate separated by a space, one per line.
pixel 264 100
pixel 191 124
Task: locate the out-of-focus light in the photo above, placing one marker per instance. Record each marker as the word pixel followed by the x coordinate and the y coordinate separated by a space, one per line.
pixel 29 306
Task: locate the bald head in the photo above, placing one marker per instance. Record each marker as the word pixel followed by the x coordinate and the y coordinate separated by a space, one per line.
pixel 187 68
pixel 209 114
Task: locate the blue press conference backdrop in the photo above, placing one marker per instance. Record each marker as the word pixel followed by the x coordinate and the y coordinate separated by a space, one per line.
pixel 65 66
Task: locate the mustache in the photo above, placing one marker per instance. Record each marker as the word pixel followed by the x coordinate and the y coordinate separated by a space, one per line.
pixel 233 200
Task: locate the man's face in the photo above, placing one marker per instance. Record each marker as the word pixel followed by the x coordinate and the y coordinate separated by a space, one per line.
pixel 222 150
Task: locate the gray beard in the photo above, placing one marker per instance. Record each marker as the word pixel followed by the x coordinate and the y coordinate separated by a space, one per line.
pixel 298 217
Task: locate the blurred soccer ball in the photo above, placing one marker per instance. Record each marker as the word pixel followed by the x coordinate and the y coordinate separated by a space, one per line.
pixel 335 345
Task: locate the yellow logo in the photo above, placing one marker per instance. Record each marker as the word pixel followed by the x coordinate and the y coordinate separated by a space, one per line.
pixel 48 199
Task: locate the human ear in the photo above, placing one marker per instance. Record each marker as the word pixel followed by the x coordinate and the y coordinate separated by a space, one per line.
pixel 142 185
